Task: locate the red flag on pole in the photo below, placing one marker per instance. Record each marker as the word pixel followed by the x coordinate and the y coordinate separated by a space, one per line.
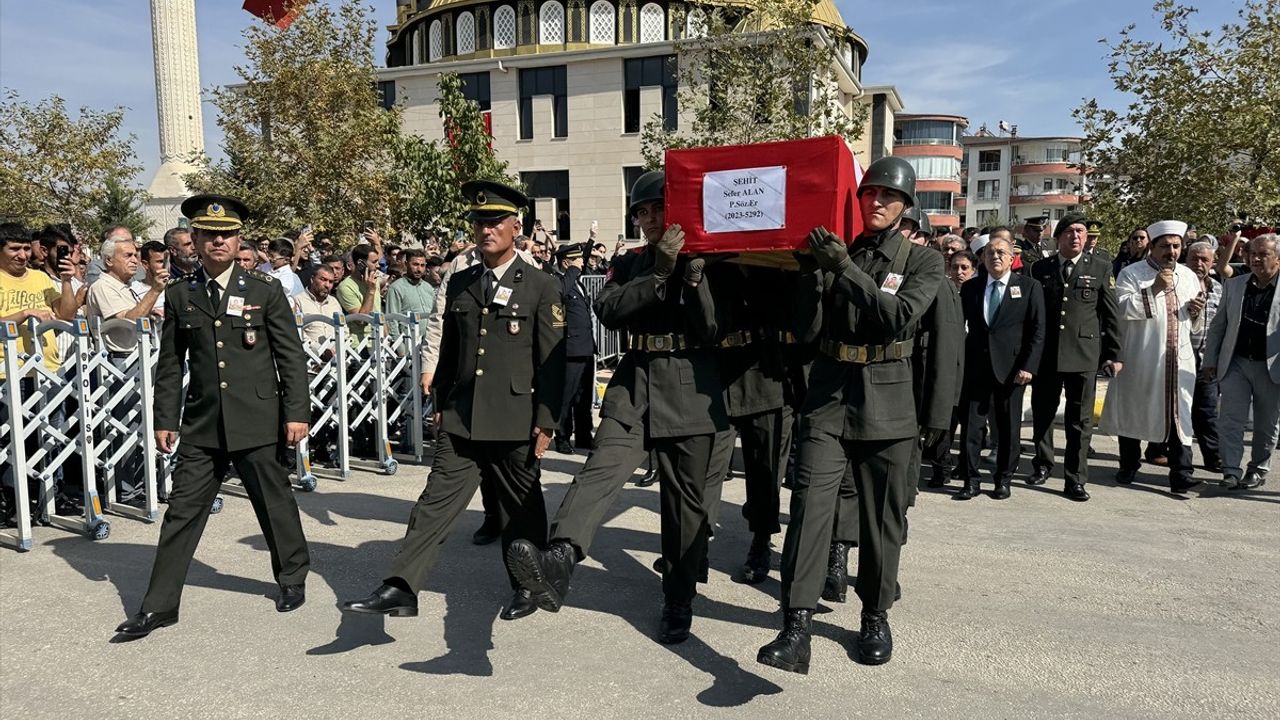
pixel 280 13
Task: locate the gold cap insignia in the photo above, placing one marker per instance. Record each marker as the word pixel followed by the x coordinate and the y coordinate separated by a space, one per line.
pixel 216 210
pixel 482 199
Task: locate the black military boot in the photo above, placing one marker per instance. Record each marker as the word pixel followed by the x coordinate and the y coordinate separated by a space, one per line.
pixel 875 641
pixel 677 618
pixel 756 568
pixel 544 573
pixel 836 586
pixel 790 650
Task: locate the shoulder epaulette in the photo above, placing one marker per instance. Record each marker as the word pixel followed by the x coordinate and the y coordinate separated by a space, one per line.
pixel 259 275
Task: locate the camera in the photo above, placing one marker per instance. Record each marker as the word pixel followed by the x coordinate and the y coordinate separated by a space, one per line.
pixel 64 252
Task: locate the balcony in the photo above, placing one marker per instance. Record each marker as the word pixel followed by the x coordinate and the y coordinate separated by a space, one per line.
pixel 1051 197
pixel 1023 166
pixel 926 141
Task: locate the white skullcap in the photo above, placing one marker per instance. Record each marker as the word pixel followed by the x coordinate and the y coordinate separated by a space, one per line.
pixel 978 243
pixel 1167 227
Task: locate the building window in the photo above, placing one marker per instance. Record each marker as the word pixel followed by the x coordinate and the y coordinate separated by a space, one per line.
pixel 504 28
pixel 695 25
pixel 846 54
pixel 935 168
pixel 551 23
pixel 548 192
pixel 387 94
pixel 544 81
pixel 988 160
pixel 988 189
pixel 639 73
pixel 987 217
pixel 475 87
pixel 934 202
pixel 433 42
pixel 1048 184
pixel 924 132
pixel 466 34
pixel 629 177
pixel 653 24
pixel 603 23
pixel 1061 153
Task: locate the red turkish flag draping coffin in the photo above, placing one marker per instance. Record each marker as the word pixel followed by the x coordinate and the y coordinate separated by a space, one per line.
pixel 762 200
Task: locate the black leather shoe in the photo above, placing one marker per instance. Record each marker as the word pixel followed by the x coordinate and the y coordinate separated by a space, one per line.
pixel 875 641
pixel 1001 491
pixel 938 479
pixel 1250 481
pixel 489 531
pixel 1076 491
pixel 1126 477
pixel 650 477
pixel 563 446
pixel 836 587
pixel 756 569
pixel 677 617
pixel 790 650
pixel 1038 476
pixel 972 489
pixel 142 624
pixel 386 600
pixel 521 605
pixel 544 573
pixel 291 597
pixel 897 591
pixel 1182 488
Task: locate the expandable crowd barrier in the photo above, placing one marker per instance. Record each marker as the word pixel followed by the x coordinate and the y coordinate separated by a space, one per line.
pixel 93 415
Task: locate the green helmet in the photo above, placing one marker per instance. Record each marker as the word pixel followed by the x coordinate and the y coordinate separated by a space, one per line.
pixel 893 173
pixel 648 188
pixel 915 215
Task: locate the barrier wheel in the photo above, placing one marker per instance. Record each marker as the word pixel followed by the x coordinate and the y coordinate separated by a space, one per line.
pixel 217 506
pixel 390 467
pixel 307 483
pixel 101 530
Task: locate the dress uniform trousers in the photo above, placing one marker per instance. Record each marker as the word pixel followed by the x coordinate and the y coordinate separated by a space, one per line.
pixel 1080 389
pixel 579 388
pixel 881 474
pixel 196 480
pixel 457 471
pixel 766 443
pixel 683 464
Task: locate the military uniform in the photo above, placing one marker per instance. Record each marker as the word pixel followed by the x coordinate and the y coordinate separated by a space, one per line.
pixel 580 348
pixel 248 377
pixel 1082 332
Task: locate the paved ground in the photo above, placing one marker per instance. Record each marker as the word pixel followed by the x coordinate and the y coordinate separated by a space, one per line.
pixel 1137 604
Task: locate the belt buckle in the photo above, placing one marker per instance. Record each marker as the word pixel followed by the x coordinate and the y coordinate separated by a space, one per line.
pixel 658 343
pixel 732 340
pixel 853 353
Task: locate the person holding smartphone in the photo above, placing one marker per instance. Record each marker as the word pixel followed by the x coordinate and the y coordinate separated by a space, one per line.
pixel 360 293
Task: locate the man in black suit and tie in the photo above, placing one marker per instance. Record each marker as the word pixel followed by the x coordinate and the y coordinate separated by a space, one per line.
pixel 1005 314
pixel 1082 335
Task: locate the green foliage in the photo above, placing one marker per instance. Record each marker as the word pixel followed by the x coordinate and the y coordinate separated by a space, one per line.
pixel 120 204
pixel 763 72
pixel 307 140
pixel 1200 139
pixel 57 169
pixel 427 176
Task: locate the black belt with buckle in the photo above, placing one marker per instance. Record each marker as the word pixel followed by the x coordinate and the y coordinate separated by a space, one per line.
pixel 867 354
pixel 738 339
pixel 659 343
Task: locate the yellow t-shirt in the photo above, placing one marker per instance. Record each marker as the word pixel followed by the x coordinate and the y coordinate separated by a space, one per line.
pixel 32 291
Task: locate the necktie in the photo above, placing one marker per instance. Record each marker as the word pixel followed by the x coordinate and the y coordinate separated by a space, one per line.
pixel 1067 267
pixel 993 304
pixel 490 286
pixel 215 295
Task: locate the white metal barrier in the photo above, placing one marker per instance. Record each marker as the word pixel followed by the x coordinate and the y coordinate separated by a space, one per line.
pixel 94 413
pixel 608 342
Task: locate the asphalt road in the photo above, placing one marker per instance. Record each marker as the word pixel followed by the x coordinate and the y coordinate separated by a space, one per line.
pixel 1138 604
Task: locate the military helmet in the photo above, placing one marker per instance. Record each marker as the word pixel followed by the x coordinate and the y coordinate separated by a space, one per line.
pixel 648 188
pixel 893 173
pixel 917 216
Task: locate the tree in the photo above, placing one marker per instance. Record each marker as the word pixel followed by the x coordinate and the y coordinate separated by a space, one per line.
pixel 763 71
pixel 120 204
pixel 427 176
pixel 307 138
pixel 1200 139
pixel 56 169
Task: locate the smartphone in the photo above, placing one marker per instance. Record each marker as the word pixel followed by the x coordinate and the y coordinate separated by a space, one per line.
pixel 305 229
pixel 64 252
pixel 368 226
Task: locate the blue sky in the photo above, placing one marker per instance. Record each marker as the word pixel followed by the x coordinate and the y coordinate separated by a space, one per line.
pixel 1025 62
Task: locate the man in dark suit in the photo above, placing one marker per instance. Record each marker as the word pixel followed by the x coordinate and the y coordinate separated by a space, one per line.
pixel 497 393
pixel 1082 335
pixel 665 396
pixel 235 331
pixel 1005 314
pixel 580 349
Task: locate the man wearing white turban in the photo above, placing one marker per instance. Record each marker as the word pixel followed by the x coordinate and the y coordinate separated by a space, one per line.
pixel 1151 400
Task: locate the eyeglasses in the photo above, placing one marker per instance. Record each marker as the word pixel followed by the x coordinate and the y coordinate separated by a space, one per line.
pixel 1001 253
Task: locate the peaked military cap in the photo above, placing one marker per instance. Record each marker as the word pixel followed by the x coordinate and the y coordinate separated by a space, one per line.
pixel 1093 227
pixel 1038 221
pixel 215 212
pixel 569 252
pixel 492 200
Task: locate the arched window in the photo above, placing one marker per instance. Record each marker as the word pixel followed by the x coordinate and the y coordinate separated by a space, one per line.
pixel 551 23
pixel 695 25
pixel 846 54
pixel 415 39
pixel 603 23
pixel 434 41
pixel 504 28
pixel 466 34
pixel 653 24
